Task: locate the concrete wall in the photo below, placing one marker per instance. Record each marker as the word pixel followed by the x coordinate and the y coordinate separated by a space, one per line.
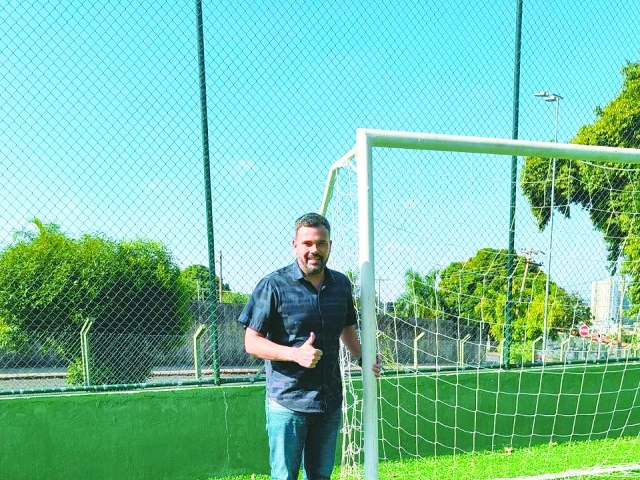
pixel 491 409
pixel 202 432
pixel 173 434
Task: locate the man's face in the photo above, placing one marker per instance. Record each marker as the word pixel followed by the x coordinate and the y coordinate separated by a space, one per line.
pixel 312 246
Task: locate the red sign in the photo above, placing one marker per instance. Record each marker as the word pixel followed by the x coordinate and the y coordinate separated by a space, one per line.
pixel 584 330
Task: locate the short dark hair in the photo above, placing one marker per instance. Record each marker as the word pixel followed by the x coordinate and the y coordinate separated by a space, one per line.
pixel 313 220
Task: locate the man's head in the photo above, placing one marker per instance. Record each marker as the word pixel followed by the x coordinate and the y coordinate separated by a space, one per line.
pixel 312 243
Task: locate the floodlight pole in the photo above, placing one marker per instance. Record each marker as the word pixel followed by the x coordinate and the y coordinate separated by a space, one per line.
pixel 549 97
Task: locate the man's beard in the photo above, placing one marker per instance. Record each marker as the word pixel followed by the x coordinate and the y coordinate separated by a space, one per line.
pixel 318 268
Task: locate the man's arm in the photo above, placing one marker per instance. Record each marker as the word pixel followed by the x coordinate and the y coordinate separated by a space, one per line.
pixel 350 339
pixel 306 355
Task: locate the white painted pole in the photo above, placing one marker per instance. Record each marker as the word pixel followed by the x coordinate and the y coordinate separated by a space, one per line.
pixel 333 171
pixel 367 305
pixel 498 146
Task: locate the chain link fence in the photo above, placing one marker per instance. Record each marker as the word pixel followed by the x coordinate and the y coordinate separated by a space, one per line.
pixel 108 273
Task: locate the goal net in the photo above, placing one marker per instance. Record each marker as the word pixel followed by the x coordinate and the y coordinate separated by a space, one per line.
pixel 498 280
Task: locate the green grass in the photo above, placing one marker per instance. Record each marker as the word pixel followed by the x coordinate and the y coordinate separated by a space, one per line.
pixel 509 463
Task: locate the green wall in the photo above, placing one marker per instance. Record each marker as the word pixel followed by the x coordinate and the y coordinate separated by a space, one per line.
pixel 201 432
pixel 170 434
pixel 492 409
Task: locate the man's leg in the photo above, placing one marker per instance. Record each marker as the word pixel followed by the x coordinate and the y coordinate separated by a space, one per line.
pixel 320 447
pixel 287 431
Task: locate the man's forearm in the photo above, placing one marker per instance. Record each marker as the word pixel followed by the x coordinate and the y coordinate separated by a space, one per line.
pixel 306 355
pixel 350 340
pixel 265 349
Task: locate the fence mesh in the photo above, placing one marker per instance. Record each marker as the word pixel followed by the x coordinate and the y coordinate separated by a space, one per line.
pixel 104 250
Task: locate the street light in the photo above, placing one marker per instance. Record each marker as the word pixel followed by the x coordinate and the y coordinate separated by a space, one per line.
pixel 549 97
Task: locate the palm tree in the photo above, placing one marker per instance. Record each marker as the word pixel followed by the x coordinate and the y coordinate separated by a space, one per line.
pixel 420 299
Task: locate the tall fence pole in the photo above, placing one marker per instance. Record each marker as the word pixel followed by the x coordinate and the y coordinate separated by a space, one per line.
pixel 213 298
pixel 508 308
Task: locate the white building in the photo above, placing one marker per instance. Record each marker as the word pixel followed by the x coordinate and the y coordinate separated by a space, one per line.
pixel 607 303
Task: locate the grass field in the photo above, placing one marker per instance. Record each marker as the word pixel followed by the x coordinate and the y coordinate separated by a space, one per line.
pixel 509 463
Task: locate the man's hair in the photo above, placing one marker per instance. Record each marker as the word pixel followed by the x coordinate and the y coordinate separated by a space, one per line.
pixel 313 220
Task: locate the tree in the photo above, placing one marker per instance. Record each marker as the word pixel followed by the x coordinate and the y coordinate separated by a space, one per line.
pixel 474 292
pixel 196 278
pixel 420 299
pixel 50 285
pixel 236 298
pixel 609 192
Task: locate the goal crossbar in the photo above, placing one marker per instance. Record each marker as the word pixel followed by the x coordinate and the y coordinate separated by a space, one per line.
pixel 484 145
pixel 496 146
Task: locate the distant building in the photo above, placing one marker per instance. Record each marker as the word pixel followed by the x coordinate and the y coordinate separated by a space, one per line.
pixel 607 303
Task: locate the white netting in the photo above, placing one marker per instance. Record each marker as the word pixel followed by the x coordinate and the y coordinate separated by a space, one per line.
pixel 446 400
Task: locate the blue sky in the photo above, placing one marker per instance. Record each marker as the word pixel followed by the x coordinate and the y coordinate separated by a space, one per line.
pixel 100 115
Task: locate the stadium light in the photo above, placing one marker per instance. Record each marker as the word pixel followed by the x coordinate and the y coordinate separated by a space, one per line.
pixel 549 97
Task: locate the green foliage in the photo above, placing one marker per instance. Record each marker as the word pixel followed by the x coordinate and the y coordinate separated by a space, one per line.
pixel 235 297
pixel 609 192
pixel 51 284
pixel 196 279
pixel 11 339
pixel 535 180
pixel 474 292
pixel 520 352
pixel 421 297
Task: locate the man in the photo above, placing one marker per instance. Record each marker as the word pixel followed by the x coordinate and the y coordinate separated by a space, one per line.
pixel 295 320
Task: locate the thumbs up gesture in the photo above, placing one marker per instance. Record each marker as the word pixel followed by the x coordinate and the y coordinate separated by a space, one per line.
pixel 306 355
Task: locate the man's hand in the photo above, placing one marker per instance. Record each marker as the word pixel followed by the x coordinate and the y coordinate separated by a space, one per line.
pixel 377 367
pixel 306 355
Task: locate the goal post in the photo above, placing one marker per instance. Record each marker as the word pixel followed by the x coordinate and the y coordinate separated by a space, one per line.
pixel 367 141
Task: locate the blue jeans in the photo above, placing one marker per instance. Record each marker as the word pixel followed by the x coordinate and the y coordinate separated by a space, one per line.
pixel 307 438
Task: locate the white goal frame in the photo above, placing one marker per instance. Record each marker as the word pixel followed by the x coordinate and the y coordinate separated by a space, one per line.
pixel 366 141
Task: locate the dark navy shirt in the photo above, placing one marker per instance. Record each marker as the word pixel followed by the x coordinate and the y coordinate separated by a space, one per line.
pixel 285 308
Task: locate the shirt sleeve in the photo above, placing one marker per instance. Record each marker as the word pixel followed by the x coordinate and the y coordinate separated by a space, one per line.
pixel 257 313
pixel 352 318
